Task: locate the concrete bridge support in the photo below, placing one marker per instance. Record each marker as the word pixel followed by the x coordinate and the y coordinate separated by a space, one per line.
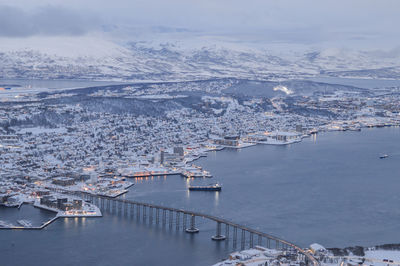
pixel 184 222
pixel 157 216
pixel 144 213
pixel 150 214
pixel 192 229
pixel 164 217
pixel 171 217
pixel 234 236
pixel 178 214
pixel 218 236
pixel 137 211
pixel 114 206
pixel 108 205
pixel 243 240
pixel 132 209
pixel 102 203
pixel 119 207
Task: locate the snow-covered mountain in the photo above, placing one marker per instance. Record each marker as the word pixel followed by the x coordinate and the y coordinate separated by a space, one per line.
pixel 88 57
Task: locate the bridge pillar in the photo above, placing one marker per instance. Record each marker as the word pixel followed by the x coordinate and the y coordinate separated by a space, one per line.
pixel 268 243
pixel 119 207
pixel 144 213
pixel 178 214
pixel 102 203
pixel 164 217
pixel 170 216
pixel 132 208
pixel 137 211
pixel 218 236
pixel 251 240
pixel 192 229
pixel 227 231
pixel 157 216
pixel 259 240
pixel 114 205
pixel 277 244
pixel 125 208
pixel 234 236
pixel 184 222
pixel 243 240
pixel 108 204
pixel 151 215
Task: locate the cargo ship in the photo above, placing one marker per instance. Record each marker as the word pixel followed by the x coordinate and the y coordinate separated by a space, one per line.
pixel 211 187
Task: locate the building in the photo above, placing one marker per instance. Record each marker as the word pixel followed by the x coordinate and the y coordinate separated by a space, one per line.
pixel 66 206
pixel 77 204
pixel 49 201
pixel 179 150
pixel 172 158
pixel 63 181
pixel 299 128
pixel 61 202
pixel 9 138
pixel 162 156
pixel 227 141
pixel 42 192
pixel 284 136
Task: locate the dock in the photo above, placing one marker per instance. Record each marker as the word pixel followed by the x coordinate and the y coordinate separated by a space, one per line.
pixel 31 227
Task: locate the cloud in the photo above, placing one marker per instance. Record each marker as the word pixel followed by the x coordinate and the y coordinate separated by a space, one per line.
pixel 47 20
pixel 368 23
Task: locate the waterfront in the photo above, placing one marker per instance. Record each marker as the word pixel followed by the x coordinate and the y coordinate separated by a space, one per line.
pixel 331 189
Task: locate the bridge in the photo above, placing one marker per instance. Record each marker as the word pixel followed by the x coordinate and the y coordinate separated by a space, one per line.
pixel 166 216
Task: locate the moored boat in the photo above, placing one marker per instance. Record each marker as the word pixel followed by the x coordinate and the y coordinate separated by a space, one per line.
pixel 211 187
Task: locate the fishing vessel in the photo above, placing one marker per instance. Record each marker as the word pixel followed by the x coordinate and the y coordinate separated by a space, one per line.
pixel 211 187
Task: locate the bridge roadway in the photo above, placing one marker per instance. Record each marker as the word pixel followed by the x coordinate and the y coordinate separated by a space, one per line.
pixel 284 244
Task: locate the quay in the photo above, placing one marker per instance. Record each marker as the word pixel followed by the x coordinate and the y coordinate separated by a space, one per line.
pixel 150 175
pixel 31 227
pixel 147 175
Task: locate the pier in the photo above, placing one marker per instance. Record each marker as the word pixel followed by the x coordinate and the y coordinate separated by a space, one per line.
pixel 31 227
pixel 149 175
pixel 147 212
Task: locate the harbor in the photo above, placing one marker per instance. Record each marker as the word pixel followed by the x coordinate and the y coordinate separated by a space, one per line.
pixel 264 165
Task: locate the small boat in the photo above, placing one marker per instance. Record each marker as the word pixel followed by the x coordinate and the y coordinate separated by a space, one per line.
pixel 211 187
pixel 383 156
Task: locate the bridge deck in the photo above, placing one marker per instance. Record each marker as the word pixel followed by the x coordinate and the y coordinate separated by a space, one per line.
pixel 218 220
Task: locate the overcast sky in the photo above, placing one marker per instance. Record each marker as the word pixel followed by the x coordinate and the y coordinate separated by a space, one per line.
pixel 372 22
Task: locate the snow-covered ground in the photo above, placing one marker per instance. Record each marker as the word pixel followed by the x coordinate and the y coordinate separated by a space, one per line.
pixel 263 256
pixel 381 255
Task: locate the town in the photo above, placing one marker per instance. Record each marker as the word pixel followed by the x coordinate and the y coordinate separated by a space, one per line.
pixel 57 146
pixel 52 142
